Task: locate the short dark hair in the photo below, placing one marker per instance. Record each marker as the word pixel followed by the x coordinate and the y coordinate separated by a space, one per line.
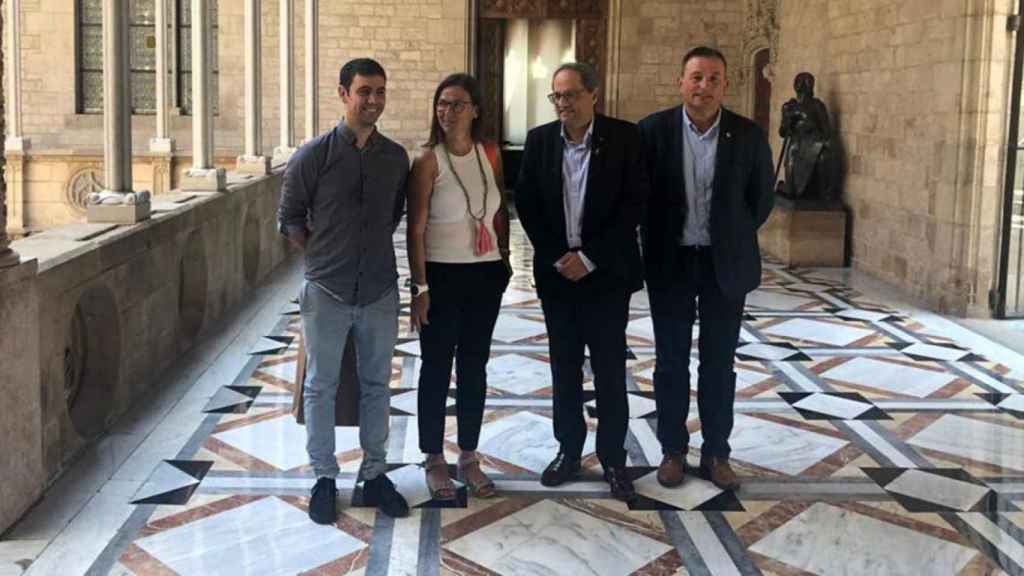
pixel 361 67
pixel 587 74
pixel 704 52
pixel 472 87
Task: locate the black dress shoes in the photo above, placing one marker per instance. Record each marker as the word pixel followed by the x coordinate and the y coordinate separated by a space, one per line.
pixel 620 483
pixel 561 470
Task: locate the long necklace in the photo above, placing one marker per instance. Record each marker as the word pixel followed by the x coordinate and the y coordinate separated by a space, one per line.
pixel 482 243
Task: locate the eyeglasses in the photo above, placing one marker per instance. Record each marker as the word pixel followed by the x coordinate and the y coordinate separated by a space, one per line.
pixel 569 96
pixel 456 106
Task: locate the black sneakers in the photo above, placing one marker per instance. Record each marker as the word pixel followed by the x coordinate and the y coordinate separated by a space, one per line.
pixel 381 492
pixel 323 504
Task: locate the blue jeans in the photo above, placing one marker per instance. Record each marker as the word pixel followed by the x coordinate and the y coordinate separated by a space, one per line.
pixel 326 323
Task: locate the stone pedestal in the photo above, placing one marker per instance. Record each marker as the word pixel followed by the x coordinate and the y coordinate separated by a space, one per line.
pixel 21 466
pixel 200 180
pixel 118 213
pixel 805 233
pixel 258 165
pixel 282 154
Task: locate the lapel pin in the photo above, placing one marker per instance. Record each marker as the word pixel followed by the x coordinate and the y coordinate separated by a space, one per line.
pixel 728 134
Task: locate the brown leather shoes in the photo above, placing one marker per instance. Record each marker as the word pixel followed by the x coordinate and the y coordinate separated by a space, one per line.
pixel 672 470
pixel 720 472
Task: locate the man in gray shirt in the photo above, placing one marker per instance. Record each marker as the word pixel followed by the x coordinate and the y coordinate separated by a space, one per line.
pixel 342 198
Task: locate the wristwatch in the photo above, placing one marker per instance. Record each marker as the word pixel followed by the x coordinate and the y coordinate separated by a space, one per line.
pixel 417 289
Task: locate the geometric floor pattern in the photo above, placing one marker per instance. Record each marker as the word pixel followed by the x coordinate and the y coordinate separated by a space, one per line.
pixel 867 443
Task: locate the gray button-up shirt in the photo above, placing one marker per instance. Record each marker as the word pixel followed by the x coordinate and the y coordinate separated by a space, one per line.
pixel 575 167
pixel 352 199
pixel 699 151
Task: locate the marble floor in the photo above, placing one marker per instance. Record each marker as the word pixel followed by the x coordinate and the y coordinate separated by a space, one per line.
pixel 872 437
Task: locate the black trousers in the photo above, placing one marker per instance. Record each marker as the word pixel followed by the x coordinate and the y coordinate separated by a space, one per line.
pixel 674 311
pixel 464 304
pixel 598 322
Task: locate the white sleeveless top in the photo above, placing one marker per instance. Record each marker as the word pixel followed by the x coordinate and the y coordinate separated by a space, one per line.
pixel 450 234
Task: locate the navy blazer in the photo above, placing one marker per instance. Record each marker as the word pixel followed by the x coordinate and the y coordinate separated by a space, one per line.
pixel 616 191
pixel 742 199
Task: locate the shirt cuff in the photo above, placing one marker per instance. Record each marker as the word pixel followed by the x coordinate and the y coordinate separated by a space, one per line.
pixel 586 262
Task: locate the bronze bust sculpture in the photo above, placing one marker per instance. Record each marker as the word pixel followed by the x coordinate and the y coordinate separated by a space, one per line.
pixel 807 151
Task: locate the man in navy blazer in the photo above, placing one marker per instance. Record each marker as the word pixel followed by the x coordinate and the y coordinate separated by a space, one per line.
pixel 579 197
pixel 711 189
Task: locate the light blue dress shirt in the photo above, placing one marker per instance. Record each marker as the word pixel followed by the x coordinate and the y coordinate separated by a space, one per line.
pixel 699 151
pixel 575 167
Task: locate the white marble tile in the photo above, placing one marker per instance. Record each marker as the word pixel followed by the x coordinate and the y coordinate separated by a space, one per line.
pixel 405 548
pixel 264 345
pixel 825 539
pixel 265 537
pixel 981 441
pixel 550 539
pixel 838 407
pixel 889 376
pixel 936 352
pixel 858 314
pixel 75 549
pixel 648 441
pixel 765 351
pixel 1003 542
pixel 776 300
pixel 410 347
pixel 518 374
pixel 807 287
pixel 407 402
pixel 691 494
pixel 285 370
pixel 15 554
pixel 639 406
pixel 744 378
pixel 524 439
pixel 816 331
pixel 514 328
pixel 929 487
pixel 244 483
pixel 164 479
pixel 641 328
pixel 281 442
pixel 224 398
pixel 786 449
pixel 513 297
pixel 1013 402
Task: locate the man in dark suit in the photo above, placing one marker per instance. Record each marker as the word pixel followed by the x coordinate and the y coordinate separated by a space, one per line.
pixel 711 182
pixel 579 196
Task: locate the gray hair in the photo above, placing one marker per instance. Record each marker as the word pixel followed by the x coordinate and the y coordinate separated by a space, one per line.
pixel 587 73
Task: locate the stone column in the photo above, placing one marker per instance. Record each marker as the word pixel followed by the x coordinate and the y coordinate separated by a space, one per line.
pixel 8 257
pixel 162 143
pixel 117 203
pixel 203 175
pixel 312 69
pixel 15 140
pixel 253 161
pixel 286 148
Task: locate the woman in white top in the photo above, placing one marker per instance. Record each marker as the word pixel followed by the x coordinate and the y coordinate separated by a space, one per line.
pixel 456 258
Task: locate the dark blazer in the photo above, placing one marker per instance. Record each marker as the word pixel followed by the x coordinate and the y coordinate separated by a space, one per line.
pixel 616 191
pixel 742 198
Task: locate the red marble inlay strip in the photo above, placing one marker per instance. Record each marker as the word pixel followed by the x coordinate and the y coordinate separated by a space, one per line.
pixel 665 565
pixel 462 566
pixel 801 424
pixel 346 564
pixel 485 517
pixel 243 459
pixel 774 517
pixel 774 567
pixel 832 464
pixel 143 563
pixel 998 419
pixel 916 423
pixel 993 469
pixel 980 565
pixel 252 419
pixel 592 507
pixel 274 361
pixel 195 514
pixel 952 389
pixel 346 523
pixel 758 389
pixel 826 365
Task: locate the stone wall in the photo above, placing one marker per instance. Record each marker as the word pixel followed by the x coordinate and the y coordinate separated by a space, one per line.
pixel 121 305
pixel 918 91
pixel 21 466
pixel 653 37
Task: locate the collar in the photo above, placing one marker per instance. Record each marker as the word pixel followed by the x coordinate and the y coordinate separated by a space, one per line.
pixel 349 135
pixel 711 133
pixel 586 137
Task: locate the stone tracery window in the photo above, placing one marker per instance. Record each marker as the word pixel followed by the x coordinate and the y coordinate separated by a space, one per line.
pixel 142 47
